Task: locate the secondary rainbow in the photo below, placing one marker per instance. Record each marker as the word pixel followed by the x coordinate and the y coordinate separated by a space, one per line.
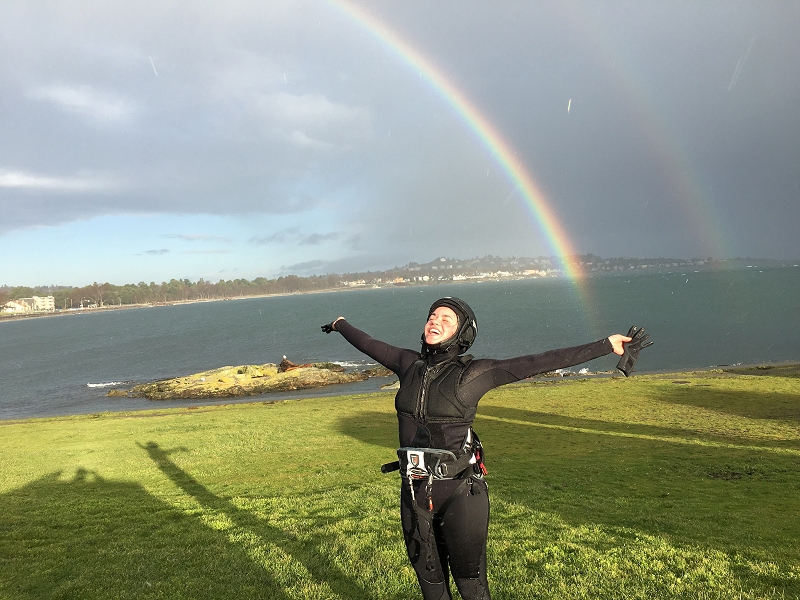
pixel 690 194
pixel 488 135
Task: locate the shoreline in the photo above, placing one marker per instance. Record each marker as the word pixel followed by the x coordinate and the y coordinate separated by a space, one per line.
pixel 164 407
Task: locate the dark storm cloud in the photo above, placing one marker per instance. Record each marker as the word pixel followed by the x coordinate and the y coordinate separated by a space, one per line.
pixel 651 128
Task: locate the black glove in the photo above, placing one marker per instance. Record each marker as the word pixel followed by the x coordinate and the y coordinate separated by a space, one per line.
pixel 328 327
pixel 631 349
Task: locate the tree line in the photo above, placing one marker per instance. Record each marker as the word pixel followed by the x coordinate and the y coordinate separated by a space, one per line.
pixel 175 290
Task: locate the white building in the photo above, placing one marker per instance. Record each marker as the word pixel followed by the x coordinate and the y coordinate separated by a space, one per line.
pixel 39 303
pixel 15 307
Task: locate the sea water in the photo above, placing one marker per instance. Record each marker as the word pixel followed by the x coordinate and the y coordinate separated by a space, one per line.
pixel 66 364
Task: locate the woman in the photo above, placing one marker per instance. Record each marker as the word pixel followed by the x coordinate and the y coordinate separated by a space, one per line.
pixel 444 505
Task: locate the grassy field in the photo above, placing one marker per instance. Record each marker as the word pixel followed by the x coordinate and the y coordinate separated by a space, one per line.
pixel 660 486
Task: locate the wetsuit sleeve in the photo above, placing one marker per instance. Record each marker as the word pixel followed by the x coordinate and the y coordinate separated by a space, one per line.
pixel 393 358
pixel 483 375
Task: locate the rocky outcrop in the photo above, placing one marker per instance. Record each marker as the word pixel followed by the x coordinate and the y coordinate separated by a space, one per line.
pixel 245 380
pixel 379 371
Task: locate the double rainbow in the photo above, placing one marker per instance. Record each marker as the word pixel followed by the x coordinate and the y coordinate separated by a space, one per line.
pixel 484 130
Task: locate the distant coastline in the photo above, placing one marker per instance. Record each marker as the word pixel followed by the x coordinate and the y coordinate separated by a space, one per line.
pixel 438 272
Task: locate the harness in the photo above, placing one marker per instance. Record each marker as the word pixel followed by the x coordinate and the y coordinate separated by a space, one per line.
pixel 421 463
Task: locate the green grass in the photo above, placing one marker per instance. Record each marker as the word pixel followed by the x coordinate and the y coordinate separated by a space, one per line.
pixel 660 486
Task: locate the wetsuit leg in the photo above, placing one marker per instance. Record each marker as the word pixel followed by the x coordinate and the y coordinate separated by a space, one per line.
pixel 431 567
pixel 465 527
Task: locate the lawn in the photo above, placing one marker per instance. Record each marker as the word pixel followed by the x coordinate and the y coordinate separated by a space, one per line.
pixel 659 486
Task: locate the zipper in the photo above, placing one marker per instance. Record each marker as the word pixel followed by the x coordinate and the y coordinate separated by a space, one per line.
pixel 421 410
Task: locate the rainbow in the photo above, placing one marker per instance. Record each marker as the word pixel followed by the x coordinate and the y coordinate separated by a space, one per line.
pixel 484 130
pixel 690 194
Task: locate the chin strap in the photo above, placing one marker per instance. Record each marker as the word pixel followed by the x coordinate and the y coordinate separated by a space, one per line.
pixel 444 348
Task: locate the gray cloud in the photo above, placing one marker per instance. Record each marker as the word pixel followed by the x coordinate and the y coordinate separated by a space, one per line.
pixel 682 135
pixel 159 252
pixel 47 184
pixel 198 237
pixel 315 239
pixel 293 235
pixel 101 107
pixel 303 267
pixel 279 237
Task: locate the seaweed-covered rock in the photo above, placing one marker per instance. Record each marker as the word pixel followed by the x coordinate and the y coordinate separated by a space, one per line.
pixel 245 380
pixel 331 366
pixel 379 371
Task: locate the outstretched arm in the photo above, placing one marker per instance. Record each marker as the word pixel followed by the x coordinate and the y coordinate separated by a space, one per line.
pixel 494 373
pixel 484 375
pixel 393 358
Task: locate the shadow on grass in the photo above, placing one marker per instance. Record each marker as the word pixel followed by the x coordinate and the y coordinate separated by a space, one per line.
pixel 783 406
pixel 371 427
pixel 792 371
pixel 91 538
pixel 550 419
pixel 379 429
pixel 306 552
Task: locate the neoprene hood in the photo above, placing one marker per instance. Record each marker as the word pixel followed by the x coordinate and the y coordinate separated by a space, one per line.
pixel 467 327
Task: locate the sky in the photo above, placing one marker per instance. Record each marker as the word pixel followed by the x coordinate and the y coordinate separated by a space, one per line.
pixel 149 140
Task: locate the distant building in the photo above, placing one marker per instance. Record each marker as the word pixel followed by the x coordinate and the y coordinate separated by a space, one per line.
pixel 39 303
pixel 15 307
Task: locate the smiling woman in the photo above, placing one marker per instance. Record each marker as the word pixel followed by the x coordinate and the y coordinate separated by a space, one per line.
pixel 444 497
pixel 441 325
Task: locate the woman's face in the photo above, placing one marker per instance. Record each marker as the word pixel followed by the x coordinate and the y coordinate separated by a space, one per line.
pixel 441 325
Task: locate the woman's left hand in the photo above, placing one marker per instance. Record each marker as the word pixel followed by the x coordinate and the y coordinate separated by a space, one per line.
pixel 616 342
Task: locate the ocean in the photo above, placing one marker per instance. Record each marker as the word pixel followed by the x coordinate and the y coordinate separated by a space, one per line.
pixel 64 365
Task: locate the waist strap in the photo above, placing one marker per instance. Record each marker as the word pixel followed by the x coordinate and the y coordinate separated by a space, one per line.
pixel 422 463
pixel 435 463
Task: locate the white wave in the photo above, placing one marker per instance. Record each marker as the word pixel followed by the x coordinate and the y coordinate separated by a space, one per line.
pixel 106 384
pixel 344 363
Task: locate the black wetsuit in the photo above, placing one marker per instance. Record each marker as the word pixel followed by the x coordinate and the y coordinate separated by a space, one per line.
pixel 436 406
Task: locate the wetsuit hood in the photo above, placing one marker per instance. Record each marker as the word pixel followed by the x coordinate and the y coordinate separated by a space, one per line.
pixel 467 328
